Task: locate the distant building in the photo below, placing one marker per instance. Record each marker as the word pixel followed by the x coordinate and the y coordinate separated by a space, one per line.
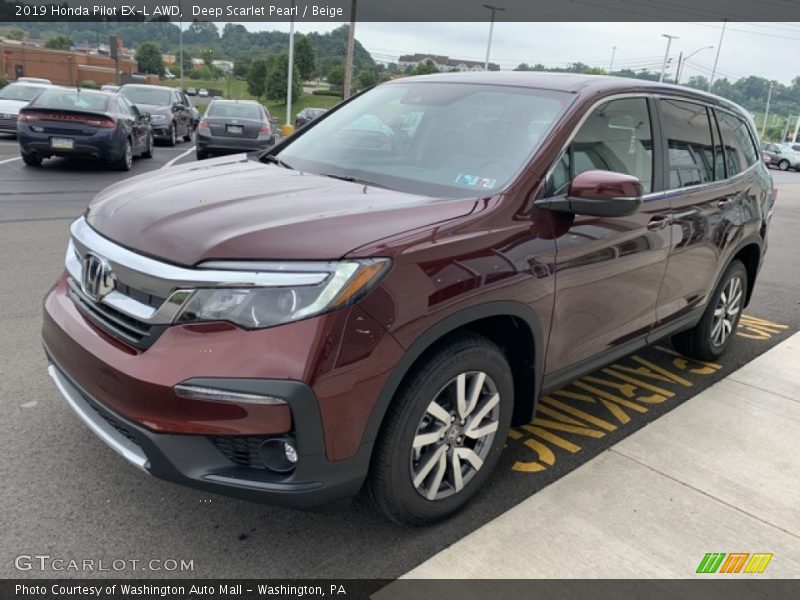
pixel 444 63
pixel 226 66
pixel 62 67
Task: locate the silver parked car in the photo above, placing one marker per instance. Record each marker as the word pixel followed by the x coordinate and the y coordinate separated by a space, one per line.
pixel 782 156
pixel 233 126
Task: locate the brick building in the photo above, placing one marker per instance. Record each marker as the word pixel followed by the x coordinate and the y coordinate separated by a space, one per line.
pixel 62 67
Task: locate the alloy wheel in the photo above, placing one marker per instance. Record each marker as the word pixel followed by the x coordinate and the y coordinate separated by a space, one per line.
pixel 726 312
pixel 455 435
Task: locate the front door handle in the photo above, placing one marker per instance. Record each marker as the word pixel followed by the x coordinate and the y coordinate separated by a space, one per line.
pixel 722 202
pixel 658 222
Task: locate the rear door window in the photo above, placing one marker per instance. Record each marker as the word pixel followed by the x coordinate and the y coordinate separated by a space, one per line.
pixel 739 149
pixel 690 145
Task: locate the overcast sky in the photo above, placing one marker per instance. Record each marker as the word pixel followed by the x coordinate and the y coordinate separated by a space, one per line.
pixel 766 49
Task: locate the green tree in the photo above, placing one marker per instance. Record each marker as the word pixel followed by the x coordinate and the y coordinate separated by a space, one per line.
pixel 207 54
pixel 523 67
pixel 15 34
pixel 328 63
pixel 257 78
pixel 188 65
pixel 367 78
pixel 58 42
pixel 241 66
pixel 336 75
pixel 277 78
pixel 425 68
pixel 148 56
pixel 304 58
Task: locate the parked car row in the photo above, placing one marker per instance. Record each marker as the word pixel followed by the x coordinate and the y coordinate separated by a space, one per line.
pixel 783 156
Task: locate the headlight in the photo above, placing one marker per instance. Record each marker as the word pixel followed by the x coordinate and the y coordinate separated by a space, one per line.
pixel 158 118
pixel 339 284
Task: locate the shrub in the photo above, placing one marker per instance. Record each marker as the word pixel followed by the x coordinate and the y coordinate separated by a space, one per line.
pixel 89 85
pixel 327 92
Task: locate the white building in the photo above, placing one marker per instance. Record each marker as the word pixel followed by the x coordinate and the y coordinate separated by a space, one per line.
pixel 443 63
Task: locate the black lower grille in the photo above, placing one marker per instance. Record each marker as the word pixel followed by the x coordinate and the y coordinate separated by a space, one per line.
pixel 240 450
pixel 121 326
pixel 115 423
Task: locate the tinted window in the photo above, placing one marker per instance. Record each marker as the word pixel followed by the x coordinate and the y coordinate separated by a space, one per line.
pixel 72 100
pixel 145 95
pixel 234 111
pixel 690 145
pixel 739 150
pixel 615 137
pixel 437 139
pixel 23 93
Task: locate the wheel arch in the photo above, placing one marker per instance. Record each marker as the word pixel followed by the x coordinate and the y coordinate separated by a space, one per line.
pixel 520 337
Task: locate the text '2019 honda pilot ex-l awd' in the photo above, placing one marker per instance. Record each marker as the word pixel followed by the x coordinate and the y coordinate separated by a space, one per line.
pixel 378 298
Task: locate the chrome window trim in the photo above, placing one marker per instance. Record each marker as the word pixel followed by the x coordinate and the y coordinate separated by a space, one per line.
pixel 646 95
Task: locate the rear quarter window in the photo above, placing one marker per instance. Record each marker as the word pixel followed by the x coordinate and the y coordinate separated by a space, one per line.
pixel 739 148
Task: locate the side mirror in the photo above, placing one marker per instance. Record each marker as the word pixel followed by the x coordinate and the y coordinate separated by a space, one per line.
pixel 145 116
pixel 598 194
pixel 274 121
pixel 178 106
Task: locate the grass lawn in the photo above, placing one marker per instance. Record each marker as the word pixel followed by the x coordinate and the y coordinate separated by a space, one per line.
pixel 238 91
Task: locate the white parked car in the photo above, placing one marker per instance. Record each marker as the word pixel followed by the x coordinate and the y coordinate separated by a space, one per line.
pixel 203 93
pixel 13 97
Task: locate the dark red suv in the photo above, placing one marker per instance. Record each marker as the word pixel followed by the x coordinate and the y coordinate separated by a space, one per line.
pixel 375 301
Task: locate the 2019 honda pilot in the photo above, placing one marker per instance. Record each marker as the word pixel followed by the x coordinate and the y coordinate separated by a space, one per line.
pixel 373 308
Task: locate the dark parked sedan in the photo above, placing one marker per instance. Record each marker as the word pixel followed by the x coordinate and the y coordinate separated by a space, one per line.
pixel 83 124
pixel 305 116
pixel 170 112
pixel 234 126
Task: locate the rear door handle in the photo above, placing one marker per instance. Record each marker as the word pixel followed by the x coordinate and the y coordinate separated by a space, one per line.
pixel 658 222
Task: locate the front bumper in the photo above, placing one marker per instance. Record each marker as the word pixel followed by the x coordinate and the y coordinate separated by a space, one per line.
pixel 195 461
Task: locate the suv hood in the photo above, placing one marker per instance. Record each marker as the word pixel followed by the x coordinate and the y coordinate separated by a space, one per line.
pixel 232 208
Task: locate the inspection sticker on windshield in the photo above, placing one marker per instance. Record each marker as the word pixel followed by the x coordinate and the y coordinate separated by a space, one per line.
pixel 475 181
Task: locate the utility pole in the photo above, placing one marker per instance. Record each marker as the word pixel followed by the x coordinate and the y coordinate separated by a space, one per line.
pixel 666 54
pixel 678 68
pixel 716 58
pixel 611 64
pixel 348 60
pixel 796 130
pixel 681 64
pixel 766 112
pixel 291 70
pixel 494 9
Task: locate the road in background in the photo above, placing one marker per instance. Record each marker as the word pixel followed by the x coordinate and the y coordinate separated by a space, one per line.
pixel 66 494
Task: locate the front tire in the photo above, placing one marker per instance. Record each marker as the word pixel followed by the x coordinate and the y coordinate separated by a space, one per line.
pixel 32 160
pixel 783 165
pixel 201 154
pixel 709 339
pixel 443 433
pixel 187 137
pixel 148 149
pixel 173 135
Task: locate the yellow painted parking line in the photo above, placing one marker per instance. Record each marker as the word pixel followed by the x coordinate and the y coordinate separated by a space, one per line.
pixel 597 404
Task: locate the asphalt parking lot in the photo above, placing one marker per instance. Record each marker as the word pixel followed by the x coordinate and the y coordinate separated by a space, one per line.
pixel 66 494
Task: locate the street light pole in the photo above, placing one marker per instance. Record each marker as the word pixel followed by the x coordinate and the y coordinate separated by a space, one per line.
pixel 666 54
pixel 611 64
pixel 716 58
pixel 180 43
pixel 494 9
pixel 766 111
pixel 291 68
pixel 682 63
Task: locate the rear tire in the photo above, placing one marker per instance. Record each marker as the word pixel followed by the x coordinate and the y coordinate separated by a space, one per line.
pixel 32 160
pixel 201 154
pixel 125 162
pixel 435 452
pixel 709 339
pixel 148 149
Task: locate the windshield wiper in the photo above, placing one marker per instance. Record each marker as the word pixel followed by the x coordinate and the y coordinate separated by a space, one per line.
pixel 271 158
pixel 352 179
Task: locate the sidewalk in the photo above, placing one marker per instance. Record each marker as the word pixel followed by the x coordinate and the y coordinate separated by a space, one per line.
pixel 720 473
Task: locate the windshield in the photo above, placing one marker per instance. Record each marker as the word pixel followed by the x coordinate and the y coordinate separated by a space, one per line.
pixel 234 111
pixel 436 139
pixel 71 100
pixel 23 93
pixel 144 95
